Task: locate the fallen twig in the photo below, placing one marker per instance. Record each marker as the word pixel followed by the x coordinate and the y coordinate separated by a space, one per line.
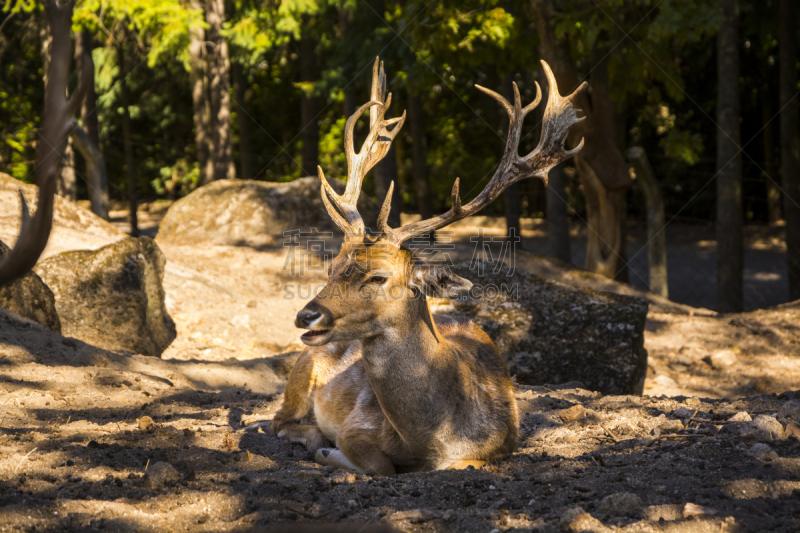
pixel 23 459
pixel 610 433
pixel 303 513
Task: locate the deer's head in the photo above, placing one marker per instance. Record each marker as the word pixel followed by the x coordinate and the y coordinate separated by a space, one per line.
pixel 375 283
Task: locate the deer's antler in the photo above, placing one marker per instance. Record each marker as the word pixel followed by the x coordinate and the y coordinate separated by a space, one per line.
pixel 343 209
pixel 56 125
pixel 559 117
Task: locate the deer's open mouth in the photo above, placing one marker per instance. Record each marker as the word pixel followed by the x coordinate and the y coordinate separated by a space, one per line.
pixel 314 334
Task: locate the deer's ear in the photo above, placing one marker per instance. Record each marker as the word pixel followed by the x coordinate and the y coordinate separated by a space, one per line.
pixel 438 281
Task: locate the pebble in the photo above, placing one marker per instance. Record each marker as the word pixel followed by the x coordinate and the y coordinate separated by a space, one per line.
pixel 741 416
pixel 573 414
pixel 620 504
pixel 723 359
pixel 159 474
pixel 146 424
pixel 790 412
pixel 577 520
pixel 762 451
pixel 763 428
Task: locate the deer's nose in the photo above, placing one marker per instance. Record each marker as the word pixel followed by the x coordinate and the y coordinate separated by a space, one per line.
pixel 306 319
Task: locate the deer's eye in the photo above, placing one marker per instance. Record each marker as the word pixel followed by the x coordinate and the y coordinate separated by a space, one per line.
pixel 378 280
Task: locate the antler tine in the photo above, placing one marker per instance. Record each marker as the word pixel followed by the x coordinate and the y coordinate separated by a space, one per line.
pixel 383 216
pixel 343 208
pixel 559 117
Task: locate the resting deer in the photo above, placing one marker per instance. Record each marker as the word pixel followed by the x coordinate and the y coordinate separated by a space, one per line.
pixel 394 387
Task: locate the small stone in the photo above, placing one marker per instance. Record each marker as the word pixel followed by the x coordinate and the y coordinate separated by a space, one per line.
pixel 741 416
pixel 577 520
pixel 620 504
pixel 160 474
pixel 692 509
pixel 146 424
pixel 671 425
pixel 245 457
pixel 683 412
pixel 574 413
pixel 763 428
pixel 790 412
pixel 664 380
pixel 723 359
pixel 762 451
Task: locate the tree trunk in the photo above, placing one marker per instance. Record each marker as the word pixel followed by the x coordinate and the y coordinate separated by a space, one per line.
pixel 243 122
pixel 219 89
pixel 309 122
pixel 557 216
pixel 730 252
pixel 87 140
pixel 66 185
pixel 95 169
pixel 127 139
pixel 601 166
pixel 419 155
pixel 790 142
pixel 773 193
pixel 200 101
pixel 656 237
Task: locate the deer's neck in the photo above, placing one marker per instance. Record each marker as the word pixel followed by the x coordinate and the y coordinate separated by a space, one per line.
pixel 404 364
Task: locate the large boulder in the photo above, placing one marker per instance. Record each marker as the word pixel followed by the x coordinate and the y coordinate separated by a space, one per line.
pixel 112 297
pixel 252 213
pixel 29 297
pixel 74 228
pixel 553 333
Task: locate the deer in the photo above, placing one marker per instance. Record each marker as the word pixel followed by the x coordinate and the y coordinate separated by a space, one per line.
pixel 382 385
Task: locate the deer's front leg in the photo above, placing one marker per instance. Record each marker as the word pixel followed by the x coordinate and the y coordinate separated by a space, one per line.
pixel 297 405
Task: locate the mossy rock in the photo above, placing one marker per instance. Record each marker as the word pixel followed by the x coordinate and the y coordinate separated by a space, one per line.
pixel 112 297
pixel 29 297
pixel 554 333
pixel 252 213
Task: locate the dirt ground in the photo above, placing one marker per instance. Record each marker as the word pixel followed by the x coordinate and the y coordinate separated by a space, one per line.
pixel 93 440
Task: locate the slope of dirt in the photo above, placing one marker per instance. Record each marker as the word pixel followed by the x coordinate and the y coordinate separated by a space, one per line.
pixel 85 436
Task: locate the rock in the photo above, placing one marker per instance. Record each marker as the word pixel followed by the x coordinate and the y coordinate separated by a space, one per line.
pixel 252 213
pixel 576 412
pixel 671 425
pixel 577 520
pixel 553 333
pixel 762 451
pixel 664 380
pixel 29 297
pixel 620 504
pixel 763 428
pixel 792 431
pixel 245 457
pixel 692 509
pixel 790 412
pixel 683 412
pixel 723 359
pixel 741 416
pixel 146 424
pixel 160 474
pixel 112 297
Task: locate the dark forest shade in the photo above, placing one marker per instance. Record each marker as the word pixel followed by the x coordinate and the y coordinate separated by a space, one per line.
pixel 730 254
pixel 790 141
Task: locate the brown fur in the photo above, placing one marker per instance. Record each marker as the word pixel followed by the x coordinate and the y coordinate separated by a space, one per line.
pixel 392 386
